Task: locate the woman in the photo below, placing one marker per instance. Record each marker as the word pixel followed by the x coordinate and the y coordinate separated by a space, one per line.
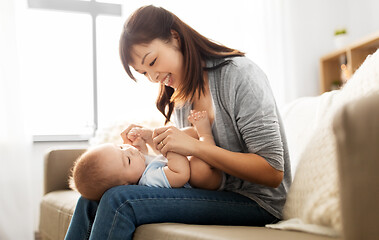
pixel 197 74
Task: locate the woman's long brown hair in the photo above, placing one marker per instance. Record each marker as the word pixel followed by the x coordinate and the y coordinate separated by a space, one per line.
pixel 148 23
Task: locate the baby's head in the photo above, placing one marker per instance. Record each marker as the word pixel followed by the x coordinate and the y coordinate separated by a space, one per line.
pixel 106 166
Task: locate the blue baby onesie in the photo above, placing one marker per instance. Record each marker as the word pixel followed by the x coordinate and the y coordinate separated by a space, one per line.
pixel 154 176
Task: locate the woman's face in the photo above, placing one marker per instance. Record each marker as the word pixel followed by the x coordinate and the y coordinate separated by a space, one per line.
pixel 160 61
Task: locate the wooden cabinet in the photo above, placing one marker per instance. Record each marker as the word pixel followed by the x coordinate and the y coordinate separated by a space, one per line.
pixel 337 67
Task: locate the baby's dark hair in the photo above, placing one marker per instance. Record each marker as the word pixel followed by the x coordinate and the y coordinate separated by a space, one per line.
pixel 89 178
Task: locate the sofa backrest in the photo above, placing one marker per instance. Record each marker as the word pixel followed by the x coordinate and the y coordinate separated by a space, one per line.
pixel 58 163
pixel 356 128
pixel 314 196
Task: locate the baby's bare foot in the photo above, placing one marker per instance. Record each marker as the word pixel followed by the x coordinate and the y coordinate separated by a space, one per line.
pixel 201 123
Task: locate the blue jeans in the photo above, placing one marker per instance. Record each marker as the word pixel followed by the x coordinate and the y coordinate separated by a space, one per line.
pixel 122 209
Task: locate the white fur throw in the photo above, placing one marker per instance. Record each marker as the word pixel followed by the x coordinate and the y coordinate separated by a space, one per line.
pixel 314 196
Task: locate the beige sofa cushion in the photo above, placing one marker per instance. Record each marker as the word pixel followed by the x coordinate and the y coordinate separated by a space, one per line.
pixel 57 208
pixel 174 231
pixel 357 134
pixel 314 194
pixel 56 211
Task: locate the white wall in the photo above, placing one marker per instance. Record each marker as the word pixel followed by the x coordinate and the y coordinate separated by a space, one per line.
pixel 363 18
pixel 309 27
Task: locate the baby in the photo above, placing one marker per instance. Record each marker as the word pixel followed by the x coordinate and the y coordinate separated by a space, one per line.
pixel 107 165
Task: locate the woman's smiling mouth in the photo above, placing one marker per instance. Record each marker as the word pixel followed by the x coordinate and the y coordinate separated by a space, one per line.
pixel 167 80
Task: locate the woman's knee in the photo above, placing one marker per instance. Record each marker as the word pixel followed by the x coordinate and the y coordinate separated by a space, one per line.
pixel 118 200
pixel 125 193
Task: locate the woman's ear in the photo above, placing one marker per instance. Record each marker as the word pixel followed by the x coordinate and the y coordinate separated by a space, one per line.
pixel 175 38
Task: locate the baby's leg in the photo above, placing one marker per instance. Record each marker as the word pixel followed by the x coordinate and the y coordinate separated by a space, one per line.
pixel 201 123
pixel 202 174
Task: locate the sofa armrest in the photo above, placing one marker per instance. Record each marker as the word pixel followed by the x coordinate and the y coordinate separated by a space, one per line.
pixel 356 128
pixel 58 163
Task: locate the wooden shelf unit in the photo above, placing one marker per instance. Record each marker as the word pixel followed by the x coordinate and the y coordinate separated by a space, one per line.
pixel 352 55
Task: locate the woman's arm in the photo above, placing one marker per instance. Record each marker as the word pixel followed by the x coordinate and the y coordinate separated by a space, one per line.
pixel 247 166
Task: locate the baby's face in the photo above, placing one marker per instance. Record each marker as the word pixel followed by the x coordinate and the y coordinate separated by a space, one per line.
pixel 123 161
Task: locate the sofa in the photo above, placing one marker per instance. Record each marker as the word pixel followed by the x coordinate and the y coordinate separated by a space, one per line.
pixel 334 147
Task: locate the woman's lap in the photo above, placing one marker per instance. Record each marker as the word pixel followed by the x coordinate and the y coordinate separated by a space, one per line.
pixel 124 208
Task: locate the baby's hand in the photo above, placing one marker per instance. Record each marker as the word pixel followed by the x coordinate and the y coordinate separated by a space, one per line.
pixel 134 133
pixel 140 144
pixel 145 133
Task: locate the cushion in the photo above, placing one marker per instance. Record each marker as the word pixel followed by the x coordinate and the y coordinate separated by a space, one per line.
pixel 301 118
pixel 314 196
pixel 174 231
pixel 57 208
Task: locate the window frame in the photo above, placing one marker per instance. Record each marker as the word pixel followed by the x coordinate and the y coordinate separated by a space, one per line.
pixel 94 9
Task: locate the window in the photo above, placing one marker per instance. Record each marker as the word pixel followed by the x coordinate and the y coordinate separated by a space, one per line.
pixel 119 97
pixel 58 47
pixel 56 60
pixel 69 56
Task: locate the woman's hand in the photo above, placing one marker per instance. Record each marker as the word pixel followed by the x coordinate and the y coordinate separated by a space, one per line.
pixel 171 139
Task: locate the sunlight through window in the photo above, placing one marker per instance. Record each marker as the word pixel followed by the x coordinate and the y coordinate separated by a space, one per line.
pixel 56 52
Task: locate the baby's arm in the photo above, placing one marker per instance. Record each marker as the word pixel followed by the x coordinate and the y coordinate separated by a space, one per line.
pixel 177 170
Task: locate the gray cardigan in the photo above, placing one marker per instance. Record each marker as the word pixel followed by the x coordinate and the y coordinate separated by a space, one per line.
pixel 247 120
